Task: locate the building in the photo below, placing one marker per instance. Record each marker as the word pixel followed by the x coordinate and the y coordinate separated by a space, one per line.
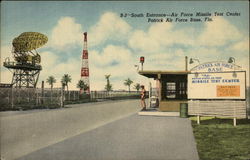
pixel 206 86
pixel 171 86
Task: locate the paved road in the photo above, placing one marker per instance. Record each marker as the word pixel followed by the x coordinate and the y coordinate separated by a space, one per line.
pixel 131 138
pixel 23 132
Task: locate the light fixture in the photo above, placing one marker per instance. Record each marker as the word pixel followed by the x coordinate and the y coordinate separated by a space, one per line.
pixel 196 74
pixel 231 60
pixel 234 74
pixel 192 60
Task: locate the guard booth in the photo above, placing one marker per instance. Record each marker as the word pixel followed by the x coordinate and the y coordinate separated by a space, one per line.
pixel 171 88
pixel 211 89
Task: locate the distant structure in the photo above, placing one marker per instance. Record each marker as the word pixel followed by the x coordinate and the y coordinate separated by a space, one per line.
pixel 26 65
pixel 85 65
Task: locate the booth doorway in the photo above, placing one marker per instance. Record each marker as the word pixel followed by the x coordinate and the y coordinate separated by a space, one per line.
pixel 175 87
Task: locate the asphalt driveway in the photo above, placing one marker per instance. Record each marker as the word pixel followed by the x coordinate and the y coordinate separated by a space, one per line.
pixel 23 132
pixel 131 138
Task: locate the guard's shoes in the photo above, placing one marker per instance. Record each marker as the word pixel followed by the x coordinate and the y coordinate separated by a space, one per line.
pixel 143 109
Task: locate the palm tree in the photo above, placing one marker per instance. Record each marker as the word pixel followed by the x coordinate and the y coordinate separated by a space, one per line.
pixel 137 86
pixel 128 82
pixel 108 86
pixel 83 86
pixel 65 80
pixel 51 80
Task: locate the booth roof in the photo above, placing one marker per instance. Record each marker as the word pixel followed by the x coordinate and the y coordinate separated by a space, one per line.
pixel 154 74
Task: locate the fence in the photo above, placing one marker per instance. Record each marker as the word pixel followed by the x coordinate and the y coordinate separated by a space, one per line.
pixel 115 95
pixel 220 108
pixel 29 98
pixel 34 98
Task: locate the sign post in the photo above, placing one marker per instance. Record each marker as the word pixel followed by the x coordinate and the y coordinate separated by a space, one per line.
pixel 142 61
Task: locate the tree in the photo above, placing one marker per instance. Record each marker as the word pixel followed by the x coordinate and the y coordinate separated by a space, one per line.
pixel 128 82
pixel 65 80
pixel 108 86
pixel 137 86
pixel 83 86
pixel 51 80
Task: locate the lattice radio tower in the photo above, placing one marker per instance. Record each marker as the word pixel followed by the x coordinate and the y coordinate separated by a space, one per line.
pixel 85 65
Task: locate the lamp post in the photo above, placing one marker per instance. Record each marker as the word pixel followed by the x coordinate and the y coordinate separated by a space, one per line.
pixel 191 61
pixel 142 59
pixel 232 60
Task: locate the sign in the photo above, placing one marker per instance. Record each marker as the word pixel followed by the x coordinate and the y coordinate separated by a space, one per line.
pixel 217 66
pixel 142 59
pixel 228 91
pixel 218 85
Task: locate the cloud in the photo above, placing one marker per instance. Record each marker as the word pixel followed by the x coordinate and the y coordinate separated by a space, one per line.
pixel 100 64
pixel 165 61
pixel 66 33
pixel 160 36
pixel 241 45
pixel 52 66
pixel 6 52
pixel 142 41
pixel 6 75
pixel 161 44
pixel 109 26
pixel 218 33
pixel 115 60
pixel 111 55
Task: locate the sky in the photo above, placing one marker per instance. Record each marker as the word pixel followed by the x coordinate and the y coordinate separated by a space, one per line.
pixel 115 42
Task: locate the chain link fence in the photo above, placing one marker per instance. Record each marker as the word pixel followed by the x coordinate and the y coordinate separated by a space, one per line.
pixel 30 98
pixel 36 98
pixel 113 95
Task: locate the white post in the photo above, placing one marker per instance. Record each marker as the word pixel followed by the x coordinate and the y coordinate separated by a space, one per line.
pixel 149 95
pixel 234 121
pixel 234 113
pixel 69 95
pixel 36 97
pixel 198 116
pixel 198 119
pixel 62 96
pixel 12 97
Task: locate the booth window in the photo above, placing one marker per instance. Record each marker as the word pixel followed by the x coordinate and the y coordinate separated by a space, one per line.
pixel 176 90
pixel 174 87
pixel 171 90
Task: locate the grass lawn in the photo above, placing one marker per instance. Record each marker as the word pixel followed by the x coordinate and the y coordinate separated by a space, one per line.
pixel 218 139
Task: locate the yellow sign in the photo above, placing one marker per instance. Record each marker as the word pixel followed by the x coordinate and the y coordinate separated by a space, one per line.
pixel 228 91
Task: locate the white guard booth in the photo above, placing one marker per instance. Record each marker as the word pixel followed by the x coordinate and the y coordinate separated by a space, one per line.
pixel 217 89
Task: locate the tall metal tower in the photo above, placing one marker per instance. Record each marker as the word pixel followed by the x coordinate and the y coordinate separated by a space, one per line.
pixel 26 65
pixel 85 65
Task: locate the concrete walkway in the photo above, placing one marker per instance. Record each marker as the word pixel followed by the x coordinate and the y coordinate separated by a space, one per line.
pixel 132 138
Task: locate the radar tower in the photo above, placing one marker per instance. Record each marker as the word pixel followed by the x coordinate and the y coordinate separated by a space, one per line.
pixel 26 65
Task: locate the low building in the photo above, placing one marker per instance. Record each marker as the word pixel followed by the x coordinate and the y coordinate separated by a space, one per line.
pixel 171 88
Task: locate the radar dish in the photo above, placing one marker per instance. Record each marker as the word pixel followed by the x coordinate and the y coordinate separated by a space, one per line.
pixel 29 41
